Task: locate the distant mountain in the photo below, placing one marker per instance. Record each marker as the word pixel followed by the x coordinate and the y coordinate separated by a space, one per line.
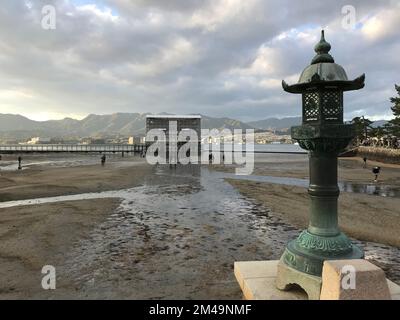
pixel 13 126
pixel 223 123
pixel 275 123
pixel 378 123
pixel 15 122
pixel 19 127
pixel 113 124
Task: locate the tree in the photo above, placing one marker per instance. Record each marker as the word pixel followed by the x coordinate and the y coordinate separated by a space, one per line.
pixel 362 127
pixel 378 132
pixel 393 126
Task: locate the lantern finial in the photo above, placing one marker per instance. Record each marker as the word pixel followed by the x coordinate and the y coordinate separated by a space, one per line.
pixel 322 49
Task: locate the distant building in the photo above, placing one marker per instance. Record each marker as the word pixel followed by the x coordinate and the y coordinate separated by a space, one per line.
pixel 39 140
pixel 137 140
pixel 183 122
pixel 92 141
pixel 69 141
pixel 10 142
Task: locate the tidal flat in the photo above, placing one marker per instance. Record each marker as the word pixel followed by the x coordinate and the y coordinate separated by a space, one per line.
pixel 129 230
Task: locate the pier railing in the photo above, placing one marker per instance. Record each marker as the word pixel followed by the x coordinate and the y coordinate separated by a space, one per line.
pixel 100 148
pixel 72 148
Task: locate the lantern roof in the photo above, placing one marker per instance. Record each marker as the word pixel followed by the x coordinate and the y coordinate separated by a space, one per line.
pixel 322 49
pixel 323 72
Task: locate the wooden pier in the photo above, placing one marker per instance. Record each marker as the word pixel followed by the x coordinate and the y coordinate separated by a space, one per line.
pixel 100 148
pixel 83 148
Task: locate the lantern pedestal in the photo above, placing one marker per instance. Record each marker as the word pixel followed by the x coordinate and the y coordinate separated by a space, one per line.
pixel 303 258
pixel 323 239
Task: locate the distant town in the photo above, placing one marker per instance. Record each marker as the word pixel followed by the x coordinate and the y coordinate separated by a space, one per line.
pixel 264 137
pixel 84 141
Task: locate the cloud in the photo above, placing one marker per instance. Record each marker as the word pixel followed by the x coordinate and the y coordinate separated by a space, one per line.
pixel 382 25
pixel 219 57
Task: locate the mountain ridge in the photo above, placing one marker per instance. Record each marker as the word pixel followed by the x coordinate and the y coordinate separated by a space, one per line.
pixel 15 126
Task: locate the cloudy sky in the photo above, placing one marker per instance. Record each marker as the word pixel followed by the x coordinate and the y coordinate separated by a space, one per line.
pixel 215 57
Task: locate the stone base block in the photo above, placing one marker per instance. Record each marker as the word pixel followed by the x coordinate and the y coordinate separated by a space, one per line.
pixel 355 279
pixel 257 279
pixel 288 277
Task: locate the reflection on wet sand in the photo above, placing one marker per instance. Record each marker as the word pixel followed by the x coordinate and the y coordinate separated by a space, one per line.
pixel 188 232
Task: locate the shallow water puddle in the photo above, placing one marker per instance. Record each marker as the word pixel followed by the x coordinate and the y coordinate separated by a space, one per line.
pixel 377 189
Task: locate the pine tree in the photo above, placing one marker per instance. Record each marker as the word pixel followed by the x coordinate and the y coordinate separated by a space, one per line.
pixel 361 125
pixel 394 124
pixel 377 132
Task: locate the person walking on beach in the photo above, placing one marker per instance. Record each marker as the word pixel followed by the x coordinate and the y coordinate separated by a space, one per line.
pixel 103 159
pixel 365 162
pixel 210 158
pixel 19 163
pixel 375 171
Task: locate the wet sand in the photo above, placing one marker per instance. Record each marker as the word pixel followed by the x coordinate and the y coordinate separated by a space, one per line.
pixel 157 244
pixel 34 236
pixel 153 246
pixel 38 181
pixel 174 235
pixel 365 217
pixel 296 166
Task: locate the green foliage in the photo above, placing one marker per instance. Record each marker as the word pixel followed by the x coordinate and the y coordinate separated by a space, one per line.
pixel 393 126
pixel 378 132
pixel 362 125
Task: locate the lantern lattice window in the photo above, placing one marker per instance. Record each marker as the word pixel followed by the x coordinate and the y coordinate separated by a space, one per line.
pixel 310 106
pixel 332 108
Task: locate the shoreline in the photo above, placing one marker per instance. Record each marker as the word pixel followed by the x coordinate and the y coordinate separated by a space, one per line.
pixel 58 181
pixel 365 217
pixel 357 212
pixel 349 169
pixel 380 154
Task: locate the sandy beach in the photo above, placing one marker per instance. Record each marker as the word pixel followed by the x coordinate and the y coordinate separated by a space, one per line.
pixel 296 166
pixel 80 238
pixel 39 181
pixel 34 236
pixel 361 216
pixel 174 235
pixel 365 217
pixel 31 236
